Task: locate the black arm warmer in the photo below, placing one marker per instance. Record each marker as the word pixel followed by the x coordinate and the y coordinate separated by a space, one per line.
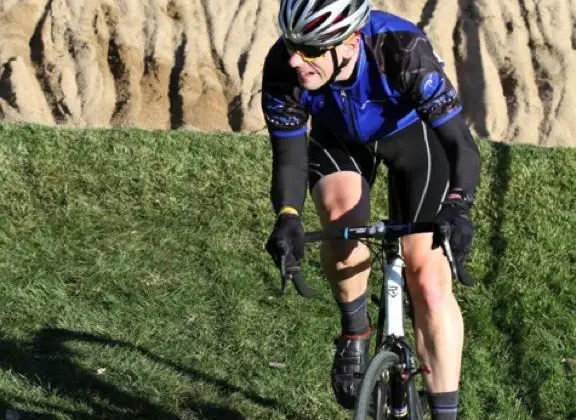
pixel 462 152
pixel 289 172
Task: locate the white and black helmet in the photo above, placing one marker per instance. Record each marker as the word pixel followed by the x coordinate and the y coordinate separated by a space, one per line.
pixel 321 23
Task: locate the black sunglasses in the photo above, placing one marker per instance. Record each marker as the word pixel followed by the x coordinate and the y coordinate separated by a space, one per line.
pixel 307 52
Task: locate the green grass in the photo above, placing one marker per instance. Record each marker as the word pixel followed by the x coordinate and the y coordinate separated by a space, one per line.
pixel 134 283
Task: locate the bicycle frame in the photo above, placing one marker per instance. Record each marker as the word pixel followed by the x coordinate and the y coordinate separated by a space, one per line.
pixel 390 333
pixel 391 314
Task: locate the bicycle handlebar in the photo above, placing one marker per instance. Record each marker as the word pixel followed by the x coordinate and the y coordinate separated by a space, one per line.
pixel 384 229
pixel 379 230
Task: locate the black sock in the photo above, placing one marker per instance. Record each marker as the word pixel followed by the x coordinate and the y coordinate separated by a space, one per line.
pixel 354 316
pixel 443 405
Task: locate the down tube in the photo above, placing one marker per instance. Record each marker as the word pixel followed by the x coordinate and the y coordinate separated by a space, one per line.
pixel 394 298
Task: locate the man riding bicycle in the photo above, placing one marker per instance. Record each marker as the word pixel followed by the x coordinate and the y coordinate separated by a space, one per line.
pixel 374 91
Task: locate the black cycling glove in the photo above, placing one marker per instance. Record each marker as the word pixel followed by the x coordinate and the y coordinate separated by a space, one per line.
pixel 286 240
pixel 456 213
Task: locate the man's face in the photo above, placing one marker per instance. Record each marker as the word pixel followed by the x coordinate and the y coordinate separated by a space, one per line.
pixel 313 68
pixel 312 75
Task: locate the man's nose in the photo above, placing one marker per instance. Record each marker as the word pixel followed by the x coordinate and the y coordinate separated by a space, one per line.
pixel 295 60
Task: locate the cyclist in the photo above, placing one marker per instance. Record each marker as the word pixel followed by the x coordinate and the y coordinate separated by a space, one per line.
pixel 373 91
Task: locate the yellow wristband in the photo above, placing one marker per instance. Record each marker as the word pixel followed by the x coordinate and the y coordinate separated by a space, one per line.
pixel 288 210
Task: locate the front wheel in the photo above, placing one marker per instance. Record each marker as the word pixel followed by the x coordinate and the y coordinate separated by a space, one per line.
pixel 382 386
pixel 374 399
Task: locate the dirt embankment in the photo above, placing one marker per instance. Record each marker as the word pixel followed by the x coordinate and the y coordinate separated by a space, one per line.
pixel 197 64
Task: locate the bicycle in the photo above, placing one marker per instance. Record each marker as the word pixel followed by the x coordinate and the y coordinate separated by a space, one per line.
pixel 388 389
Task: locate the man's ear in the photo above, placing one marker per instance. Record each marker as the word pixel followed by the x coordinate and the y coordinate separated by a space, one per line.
pixel 352 45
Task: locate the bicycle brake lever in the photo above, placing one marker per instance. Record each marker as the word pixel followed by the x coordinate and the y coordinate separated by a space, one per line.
pixel 444 230
pixel 283 286
pixel 450 257
pixel 284 275
pixel 293 274
pixel 458 272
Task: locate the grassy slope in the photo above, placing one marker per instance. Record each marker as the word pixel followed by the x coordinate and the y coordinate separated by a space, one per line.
pixel 141 253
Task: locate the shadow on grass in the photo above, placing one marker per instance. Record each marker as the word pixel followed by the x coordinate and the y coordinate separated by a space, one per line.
pixel 8 410
pixel 48 363
pixel 498 188
pixel 210 411
pixel 514 329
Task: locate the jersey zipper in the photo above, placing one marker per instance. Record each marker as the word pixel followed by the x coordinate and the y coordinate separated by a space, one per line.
pixel 349 108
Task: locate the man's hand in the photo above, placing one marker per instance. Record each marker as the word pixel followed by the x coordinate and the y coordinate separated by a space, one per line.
pixel 286 247
pixel 456 213
pixel 286 242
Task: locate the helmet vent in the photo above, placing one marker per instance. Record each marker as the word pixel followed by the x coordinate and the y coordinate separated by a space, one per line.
pixel 316 23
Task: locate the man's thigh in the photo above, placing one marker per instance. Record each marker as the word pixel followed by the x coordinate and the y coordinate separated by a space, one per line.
pixel 340 176
pixel 418 174
pixel 418 179
pixel 342 199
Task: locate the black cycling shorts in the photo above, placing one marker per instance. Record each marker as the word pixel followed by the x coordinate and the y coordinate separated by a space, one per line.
pixel 418 169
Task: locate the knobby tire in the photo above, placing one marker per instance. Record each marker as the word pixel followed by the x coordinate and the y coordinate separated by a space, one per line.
pixel 384 361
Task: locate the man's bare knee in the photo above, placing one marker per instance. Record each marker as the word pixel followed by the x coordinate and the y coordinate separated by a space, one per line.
pixel 426 290
pixel 428 277
pixel 342 199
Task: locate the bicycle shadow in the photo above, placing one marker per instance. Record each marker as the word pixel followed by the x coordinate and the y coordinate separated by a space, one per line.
pixel 46 362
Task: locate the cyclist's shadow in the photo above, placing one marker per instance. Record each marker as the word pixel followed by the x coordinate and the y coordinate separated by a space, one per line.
pixel 48 362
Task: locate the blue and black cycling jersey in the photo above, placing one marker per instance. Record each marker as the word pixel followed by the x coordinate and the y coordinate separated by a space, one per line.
pixel 398 80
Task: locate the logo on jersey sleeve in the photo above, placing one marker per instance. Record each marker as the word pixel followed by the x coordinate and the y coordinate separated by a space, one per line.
pixel 279 114
pixel 430 85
